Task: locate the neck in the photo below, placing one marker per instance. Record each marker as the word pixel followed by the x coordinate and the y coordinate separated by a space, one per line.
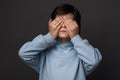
pixel 63 39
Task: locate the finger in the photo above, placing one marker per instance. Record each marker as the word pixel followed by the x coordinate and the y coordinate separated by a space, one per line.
pixel 58 27
pixel 61 20
pixel 56 20
pixel 67 24
pixel 72 25
pixel 58 24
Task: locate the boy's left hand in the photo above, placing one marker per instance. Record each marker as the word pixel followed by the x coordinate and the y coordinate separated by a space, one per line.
pixel 72 27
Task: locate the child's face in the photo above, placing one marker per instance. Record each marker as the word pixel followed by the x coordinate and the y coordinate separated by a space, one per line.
pixel 63 33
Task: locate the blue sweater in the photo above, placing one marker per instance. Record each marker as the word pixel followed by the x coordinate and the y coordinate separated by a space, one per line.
pixel 53 60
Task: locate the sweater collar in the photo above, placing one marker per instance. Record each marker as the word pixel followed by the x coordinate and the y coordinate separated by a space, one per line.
pixel 64 44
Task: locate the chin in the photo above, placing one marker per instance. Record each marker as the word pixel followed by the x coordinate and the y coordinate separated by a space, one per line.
pixel 63 36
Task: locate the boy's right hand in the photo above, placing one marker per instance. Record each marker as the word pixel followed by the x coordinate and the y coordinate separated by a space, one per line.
pixel 54 26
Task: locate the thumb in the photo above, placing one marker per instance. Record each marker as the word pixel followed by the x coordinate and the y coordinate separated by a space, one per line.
pixel 49 20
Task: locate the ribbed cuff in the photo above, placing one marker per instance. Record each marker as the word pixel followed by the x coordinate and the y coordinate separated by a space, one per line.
pixel 49 40
pixel 76 39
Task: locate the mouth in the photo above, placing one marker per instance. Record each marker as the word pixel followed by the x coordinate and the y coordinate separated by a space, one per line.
pixel 63 31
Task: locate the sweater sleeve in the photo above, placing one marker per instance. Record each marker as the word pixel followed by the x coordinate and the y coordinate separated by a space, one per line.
pixel 31 51
pixel 89 55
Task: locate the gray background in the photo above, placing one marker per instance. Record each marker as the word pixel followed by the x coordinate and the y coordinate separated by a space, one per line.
pixel 22 20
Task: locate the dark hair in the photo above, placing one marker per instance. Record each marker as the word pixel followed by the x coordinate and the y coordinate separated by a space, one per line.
pixel 65 9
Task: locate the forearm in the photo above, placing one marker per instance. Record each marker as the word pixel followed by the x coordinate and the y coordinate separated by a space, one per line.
pixel 86 52
pixel 32 48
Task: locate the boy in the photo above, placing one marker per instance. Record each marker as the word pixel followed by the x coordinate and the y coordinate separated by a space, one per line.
pixel 61 54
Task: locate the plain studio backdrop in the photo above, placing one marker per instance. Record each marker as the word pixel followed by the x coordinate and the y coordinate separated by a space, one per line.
pixel 22 20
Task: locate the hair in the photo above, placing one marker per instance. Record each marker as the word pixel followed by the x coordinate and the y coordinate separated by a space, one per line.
pixel 65 8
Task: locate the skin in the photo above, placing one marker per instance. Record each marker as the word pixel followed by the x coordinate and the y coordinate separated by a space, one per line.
pixel 63 22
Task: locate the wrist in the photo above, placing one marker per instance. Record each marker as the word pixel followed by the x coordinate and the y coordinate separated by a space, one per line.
pixel 73 36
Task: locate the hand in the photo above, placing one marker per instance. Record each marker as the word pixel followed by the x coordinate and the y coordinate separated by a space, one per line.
pixel 54 26
pixel 72 27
